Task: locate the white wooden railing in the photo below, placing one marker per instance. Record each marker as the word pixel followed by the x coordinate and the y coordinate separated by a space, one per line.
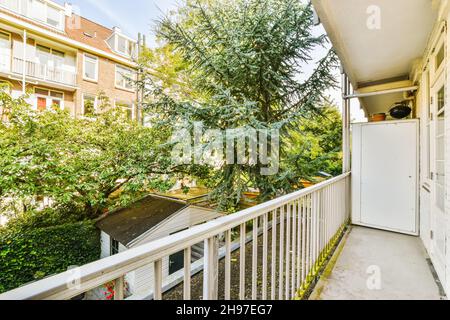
pixel 298 233
pixel 44 72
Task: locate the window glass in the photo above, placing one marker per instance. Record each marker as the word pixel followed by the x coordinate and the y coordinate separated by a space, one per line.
pixel 90 67
pixel 121 45
pixel 441 98
pixel 114 246
pixel 89 105
pixel 124 77
pixel 42 92
pixel 10 4
pixel 56 94
pixel 440 57
pixel 37 10
pixel 126 107
pixel 53 16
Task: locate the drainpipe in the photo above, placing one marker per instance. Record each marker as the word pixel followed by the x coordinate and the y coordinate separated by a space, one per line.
pixel 24 84
pixel 346 87
pixel 138 77
pixel 346 123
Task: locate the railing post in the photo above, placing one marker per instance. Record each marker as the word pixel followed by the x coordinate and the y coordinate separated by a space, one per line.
pixel 265 250
pixel 187 274
pixel 274 255
pixel 211 270
pixel 119 285
pixel 243 238
pixel 157 290
pixel 227 265
pixel 255 259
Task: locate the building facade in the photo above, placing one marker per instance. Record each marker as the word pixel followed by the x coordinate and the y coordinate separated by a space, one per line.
pixel 67 60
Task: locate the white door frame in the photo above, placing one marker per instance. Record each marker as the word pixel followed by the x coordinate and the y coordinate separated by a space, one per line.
pixel 438 215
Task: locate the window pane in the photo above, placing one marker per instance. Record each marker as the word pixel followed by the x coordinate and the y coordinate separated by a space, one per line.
pixel 41 91
pixel 440 57
pixel 124 77
pixel 441 98
pixel 55 94
pixel 90 67
pixel 121 45
pixel 38 10
pixel 114 247
pixel 88 105
pixel 10 4
pixel 56 104
pixel 53 16
pixel 126 107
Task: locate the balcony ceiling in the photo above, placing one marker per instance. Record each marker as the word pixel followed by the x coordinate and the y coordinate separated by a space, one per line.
pixel 378 55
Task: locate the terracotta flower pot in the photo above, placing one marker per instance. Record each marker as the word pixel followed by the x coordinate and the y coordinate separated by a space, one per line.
pixel 378 117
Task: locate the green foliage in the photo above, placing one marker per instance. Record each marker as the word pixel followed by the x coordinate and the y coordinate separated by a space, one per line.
pixel 245 61
pixel 32 255
pixel 317 145
pixel 80 166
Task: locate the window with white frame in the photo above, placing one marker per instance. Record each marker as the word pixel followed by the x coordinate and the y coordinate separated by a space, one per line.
pixel 39 10
pixel 90 67
pixel 5 51
pixel 89 105
pixel 12 5
pixel 48 99
pixel 127 107
pixel 122 45
pixel 124 77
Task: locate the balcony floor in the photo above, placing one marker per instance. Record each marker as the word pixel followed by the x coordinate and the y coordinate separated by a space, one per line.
pixel 401 260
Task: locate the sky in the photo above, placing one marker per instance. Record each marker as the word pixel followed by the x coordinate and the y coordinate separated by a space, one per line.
pixel 140 16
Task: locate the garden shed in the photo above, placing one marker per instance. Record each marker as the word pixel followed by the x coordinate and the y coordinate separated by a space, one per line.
pixel 149 219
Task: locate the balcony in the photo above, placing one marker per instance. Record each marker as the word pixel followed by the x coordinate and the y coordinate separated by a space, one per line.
pixel 287 239
pixel 44 72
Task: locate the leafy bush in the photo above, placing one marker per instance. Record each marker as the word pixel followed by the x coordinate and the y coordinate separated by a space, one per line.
pixel 32 255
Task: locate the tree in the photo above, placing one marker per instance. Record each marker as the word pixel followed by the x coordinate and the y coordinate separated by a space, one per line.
pixel 55 168
pixel 245 58
pixel 317 145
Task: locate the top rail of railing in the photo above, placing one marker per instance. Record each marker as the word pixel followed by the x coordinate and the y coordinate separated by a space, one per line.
pixel 77 281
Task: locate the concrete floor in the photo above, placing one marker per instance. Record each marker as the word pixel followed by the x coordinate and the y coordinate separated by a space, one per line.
pixel 378 265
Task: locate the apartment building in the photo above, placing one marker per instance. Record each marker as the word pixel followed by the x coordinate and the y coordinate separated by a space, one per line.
pixel 64 60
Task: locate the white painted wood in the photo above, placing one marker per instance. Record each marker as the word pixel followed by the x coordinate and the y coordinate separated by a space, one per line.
pixel 287 284
pixel 388 176
pixel 356 172
pixel 97 273
pixel 281 260
pixel 187 274
pixel 105 245
pixel 228 265
pixel 264 260
pixel 304 232
pixel 119 285
pixel 299 243
pixel 210 270
pixel 255 259
pixel 242 263
pixel 181 220
pixel 274 256
pixel 157 284
pixel 293 249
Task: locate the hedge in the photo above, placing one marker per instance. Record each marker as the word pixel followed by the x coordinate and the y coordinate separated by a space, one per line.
pixel 29 256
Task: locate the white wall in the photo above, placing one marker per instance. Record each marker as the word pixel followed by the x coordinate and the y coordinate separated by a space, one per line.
pixel 447 157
